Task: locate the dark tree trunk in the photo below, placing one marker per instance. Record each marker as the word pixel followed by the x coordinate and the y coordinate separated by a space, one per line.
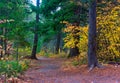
pixel 92 59
pixel 73 52
pixel 99 1
pixel 17 52
pixel 34 50
pixel 58 42
pixel 5 40
pixel 1 51
pixel 1 43
pixel 5 46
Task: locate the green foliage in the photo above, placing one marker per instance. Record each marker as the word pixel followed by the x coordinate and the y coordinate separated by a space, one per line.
pixel 24 64
pixel 45 53
pixel 26 51
pixel 15 28
pixel 10 68
pixel 54 12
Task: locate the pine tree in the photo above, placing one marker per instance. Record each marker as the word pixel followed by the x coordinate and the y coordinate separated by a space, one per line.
pixel 34 50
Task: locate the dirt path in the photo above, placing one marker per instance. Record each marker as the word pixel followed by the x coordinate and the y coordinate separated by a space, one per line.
pixel 51 71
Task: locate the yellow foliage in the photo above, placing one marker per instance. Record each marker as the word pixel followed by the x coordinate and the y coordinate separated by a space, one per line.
pixel 76 31
pixel 108 34
pixel 24 64
pixel 108 37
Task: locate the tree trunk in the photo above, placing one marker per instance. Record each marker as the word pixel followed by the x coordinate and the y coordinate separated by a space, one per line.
pixel 34 50
pixel 5 40
pixel 73 52
pixel 92 59
pixel 58 43
pixel 5 46
pixel 17 52
pixel 1 43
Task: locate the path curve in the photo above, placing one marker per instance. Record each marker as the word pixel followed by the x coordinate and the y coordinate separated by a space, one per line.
pixel 50 71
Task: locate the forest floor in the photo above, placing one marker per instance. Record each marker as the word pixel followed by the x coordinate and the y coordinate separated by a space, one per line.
pixel 54 70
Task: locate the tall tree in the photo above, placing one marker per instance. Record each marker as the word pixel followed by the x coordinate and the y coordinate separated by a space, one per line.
pixel 12 13
pixel 92 59
pixel 59 11
pixel 52 11
pixel 34 50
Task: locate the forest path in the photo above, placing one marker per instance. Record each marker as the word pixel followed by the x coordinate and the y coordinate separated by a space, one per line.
pixel 51 70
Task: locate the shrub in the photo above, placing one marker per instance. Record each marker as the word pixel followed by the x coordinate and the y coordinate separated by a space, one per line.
pixel 24 64
pixel 108 37
pixel 79 60
pixel 11 68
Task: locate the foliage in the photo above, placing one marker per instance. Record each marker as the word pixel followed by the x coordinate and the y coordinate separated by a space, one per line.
pixel 12 68
pixel 48 53
pixel 55 12
pixel 45 52
pixel 80 60
pixel 26 51
pixel 15 28
pixel 24 64
pixel 71 40
pixel 108 38
pixel 54 15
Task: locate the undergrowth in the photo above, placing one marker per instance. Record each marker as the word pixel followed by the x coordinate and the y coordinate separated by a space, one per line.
pixel 12 68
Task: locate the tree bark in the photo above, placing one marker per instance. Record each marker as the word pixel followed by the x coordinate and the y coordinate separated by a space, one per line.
pixel 73 52
pixel 5 40
pixel 1 43
pixel 58 43
pixel 5 46
pixel 92 59
pixel 34 50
